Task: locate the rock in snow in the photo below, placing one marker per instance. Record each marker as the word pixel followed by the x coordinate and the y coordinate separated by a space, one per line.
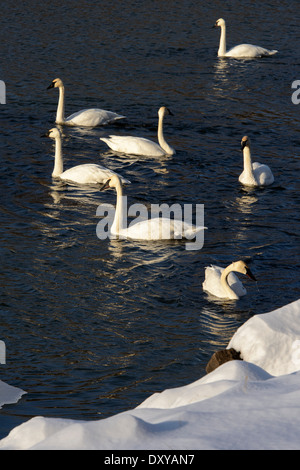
pixel 220 357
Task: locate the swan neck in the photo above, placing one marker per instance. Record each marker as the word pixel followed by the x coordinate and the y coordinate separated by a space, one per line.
pixel 58 158
pixel 60 113
pixel 224 282
pixel 160 136
pixel 119 219
pixel 222 45
pixel 248 169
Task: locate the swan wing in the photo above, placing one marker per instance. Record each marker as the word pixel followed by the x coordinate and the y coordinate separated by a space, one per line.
pixel 162 228
pixel 249 50
pixel 151 229
pixel 236 285
pixel 184 229
pixel 133 145
pixel 263 174
pixel 212 282
pixel 89 174
pixel 92 117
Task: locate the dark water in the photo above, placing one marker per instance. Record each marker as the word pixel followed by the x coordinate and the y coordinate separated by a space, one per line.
pixel 91 327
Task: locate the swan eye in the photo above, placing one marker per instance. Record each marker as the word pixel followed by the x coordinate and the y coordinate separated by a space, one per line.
pixel 250 274
pixel 105 185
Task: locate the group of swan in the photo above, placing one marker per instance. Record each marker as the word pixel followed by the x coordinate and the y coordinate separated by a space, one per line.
pixel 220 282
pixel 96 117
pixel 242 50
pixel 88 173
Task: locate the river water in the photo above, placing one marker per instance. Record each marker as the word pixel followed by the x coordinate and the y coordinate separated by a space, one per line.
pixel 93 327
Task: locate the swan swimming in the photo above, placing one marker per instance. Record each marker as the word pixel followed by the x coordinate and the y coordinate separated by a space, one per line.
pixel 254 174
pixel 86 117
pixel 87 173
pixel 140 146
pixel 156 228
pixel 242 50
pixel 223 283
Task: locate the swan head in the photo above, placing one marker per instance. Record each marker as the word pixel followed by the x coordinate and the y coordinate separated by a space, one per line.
pixel 220 22
pixel 112 182
pixel 163 111
pixel 57 82
pixel 245 142
pixel 53 133
pixel 241 267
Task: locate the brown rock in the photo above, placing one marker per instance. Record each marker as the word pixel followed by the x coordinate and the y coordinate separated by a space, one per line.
pixel 220 357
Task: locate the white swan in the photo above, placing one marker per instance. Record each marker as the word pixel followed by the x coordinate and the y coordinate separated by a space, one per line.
pixel 155 228
pixel 223 283
pixel 87 173
pixel 139 145
pixel 254 174
pixel 86 117
pixel 243 50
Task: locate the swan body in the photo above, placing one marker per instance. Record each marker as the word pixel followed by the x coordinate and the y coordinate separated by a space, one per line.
pixel 86 117
pixel 254 174
pixel 139 145
pixel 242 50
pixel 156 228
pixel 223 283
pixel 87 173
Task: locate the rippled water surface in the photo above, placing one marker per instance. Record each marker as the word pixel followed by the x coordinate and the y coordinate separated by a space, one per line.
pixel 92 327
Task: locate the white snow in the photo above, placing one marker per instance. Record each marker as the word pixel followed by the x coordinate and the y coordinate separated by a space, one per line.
pixel 249 404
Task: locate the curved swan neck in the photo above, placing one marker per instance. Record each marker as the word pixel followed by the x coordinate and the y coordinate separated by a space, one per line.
pixel 160 136
pixel 58 158
pixel 222 45
pixel 119 219
pixel 60 113
pixel 224 282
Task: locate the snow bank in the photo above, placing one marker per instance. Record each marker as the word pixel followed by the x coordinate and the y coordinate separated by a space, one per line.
pixel 271 340
pixel 249 404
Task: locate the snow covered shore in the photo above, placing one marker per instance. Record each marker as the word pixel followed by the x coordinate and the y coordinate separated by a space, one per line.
pixel 249 404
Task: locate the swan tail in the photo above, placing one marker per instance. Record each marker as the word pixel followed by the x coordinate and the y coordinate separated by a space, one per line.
pixel 272 52
pixel 190 232
pixel 125 181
